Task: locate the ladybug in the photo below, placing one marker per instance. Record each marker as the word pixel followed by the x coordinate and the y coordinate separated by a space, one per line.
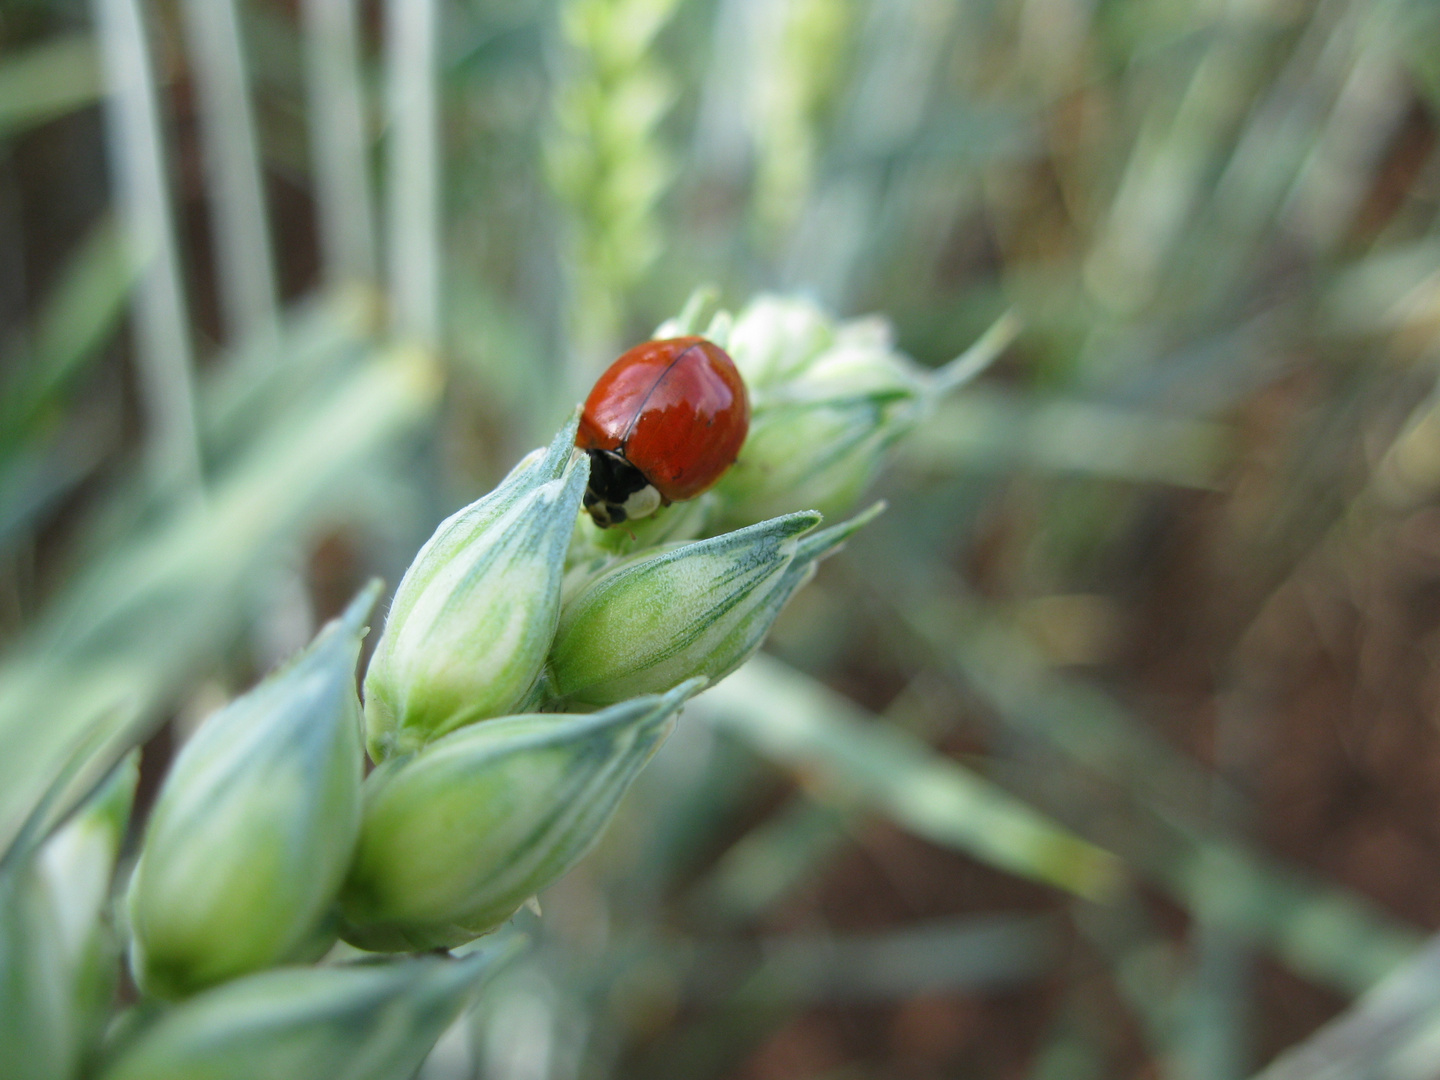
pixel 661 425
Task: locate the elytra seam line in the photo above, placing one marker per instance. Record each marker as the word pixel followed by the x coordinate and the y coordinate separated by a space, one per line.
pixel 663 376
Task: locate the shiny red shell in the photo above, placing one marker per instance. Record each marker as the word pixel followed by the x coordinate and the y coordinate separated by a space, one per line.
pixel 676 409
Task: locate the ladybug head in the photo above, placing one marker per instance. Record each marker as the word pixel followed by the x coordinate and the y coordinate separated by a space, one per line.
pixel 618 491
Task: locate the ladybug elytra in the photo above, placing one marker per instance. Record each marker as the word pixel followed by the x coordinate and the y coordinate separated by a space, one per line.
pixel 661 425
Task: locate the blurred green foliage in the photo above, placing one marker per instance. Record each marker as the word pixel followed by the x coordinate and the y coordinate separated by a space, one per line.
pixel 1151 615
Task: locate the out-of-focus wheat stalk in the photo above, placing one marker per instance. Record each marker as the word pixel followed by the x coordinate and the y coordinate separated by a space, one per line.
pixel 139 163
pixel 232 165
pixel 607 162
pixel 412 201
pixel 340 140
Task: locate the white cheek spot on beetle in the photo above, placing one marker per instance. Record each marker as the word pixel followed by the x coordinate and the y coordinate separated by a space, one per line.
pixel 642 503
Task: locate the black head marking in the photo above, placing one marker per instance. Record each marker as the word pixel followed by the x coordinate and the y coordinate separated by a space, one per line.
pixel 612 481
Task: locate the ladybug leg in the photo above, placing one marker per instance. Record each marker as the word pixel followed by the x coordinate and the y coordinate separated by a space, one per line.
pixel 617 491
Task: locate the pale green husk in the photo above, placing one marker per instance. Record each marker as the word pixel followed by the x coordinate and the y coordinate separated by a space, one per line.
pixel 457 837
pixel 473 617
pixel 360 1022
pixel 697 609
pixel 58 954
pixel 253 830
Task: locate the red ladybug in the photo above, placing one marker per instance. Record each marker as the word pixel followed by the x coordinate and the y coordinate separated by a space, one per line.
pixel 661 426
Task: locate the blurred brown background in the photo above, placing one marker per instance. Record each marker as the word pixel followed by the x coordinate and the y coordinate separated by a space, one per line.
pixel 283 283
